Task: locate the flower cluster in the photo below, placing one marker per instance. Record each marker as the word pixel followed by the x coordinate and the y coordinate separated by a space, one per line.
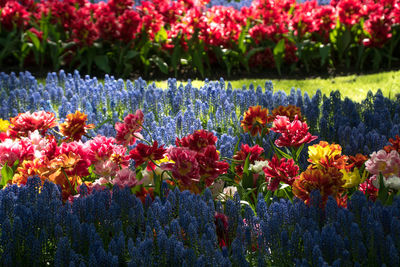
pixel 196 161
pixel 30 147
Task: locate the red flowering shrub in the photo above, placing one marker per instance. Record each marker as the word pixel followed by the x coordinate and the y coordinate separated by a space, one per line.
pixel 13 14
pixel 349 12
pixel 152 26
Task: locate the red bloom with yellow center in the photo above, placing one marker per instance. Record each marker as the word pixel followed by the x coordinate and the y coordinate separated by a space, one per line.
pixel 75 126
pixel 185 167
pixel 255 120
pixel 143 153
pixel 328 181
pixel 27 122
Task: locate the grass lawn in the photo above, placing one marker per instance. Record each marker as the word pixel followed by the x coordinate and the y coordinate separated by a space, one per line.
pixel 352 86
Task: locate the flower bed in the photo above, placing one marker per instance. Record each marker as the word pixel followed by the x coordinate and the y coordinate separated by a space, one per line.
pixel 174 35
pixel 127 176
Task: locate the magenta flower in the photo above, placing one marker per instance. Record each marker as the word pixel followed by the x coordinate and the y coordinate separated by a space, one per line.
pixel 294 133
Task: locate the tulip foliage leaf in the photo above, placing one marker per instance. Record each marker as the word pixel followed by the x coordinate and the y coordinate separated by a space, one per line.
pixel 7 174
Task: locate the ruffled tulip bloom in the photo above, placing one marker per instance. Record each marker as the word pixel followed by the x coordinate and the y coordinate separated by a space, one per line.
pixel 60 171
pixel 80 149
pixel 210 166
pixel 4 124
pixel 128 131
pixel 294 133
pixel 105 168
pixel 143 153
pixel 392 182
pixel 103 148
pixel 352 178
pixel 328 181
pixel 395 144
pixel 382 162
pixel 280 170
pixel 357 160
pixel 255 154
pixel 125 178
pixel 221 225
pixel 13 14
pixel 27 122
pixel 27 169
pixel 202 144
pixel 185 167
pixel 289 111
pixel 258 166
pixel 349 12
pixel 197 141
pixel 12 150
pixel 369 189
pixel 325 155
pixel 229 191
pixel 74 127
pixel 255 120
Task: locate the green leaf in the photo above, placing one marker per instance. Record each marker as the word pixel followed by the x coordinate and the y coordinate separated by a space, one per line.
pixel 253 51
pixel 35 40
pixel 131 54
pixel 241 43
pixel 176 57
pixel 246 164
pixel 15 165
pixel 197 61
pixel 279 152
pixel 268 197
pixel 324 51
pixel 383 191
pixel 6 174
pixel 161 35
pixel 102 62
pixel 161 64
pixel 346 39
pixel 377 59
pixel 279 53
pixel 298 151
